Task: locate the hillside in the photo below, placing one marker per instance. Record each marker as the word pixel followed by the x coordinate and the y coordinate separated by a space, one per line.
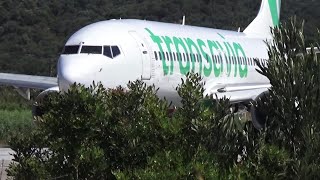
pixel 33 32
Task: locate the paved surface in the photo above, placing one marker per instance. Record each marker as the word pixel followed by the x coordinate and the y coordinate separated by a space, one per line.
pixel 5 160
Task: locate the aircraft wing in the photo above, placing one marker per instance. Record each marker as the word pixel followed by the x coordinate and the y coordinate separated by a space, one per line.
pixel 28 81
pixel 237 93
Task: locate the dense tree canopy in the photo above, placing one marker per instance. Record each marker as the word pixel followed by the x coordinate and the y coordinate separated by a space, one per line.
pixel 33 32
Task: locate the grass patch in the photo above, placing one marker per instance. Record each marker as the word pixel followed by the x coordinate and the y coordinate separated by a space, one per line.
pixel 13 122
pixel 10 100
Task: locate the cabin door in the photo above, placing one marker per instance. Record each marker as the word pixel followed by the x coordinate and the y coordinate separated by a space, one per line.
pixel 145 55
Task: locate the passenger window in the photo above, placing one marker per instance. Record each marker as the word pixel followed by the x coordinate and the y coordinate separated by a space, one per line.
pixel 156 56
pixel 115 51
pixel 179 57
pixel 107 51
pixel 71 49
pixel 171 56
pixel 91 50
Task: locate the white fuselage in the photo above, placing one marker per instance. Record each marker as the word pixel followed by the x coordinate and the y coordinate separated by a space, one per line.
pixel 161 54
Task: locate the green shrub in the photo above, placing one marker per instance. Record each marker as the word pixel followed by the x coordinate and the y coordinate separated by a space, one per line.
pixel 97 133
pixel 293 103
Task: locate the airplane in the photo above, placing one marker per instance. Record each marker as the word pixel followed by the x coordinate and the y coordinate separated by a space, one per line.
pixel 114 52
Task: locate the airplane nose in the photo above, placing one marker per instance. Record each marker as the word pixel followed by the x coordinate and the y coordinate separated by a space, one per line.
pixel 82 69
pixel 71 69
pixel 66 75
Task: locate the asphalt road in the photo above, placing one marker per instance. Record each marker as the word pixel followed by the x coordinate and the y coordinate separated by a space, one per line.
pixel 5 160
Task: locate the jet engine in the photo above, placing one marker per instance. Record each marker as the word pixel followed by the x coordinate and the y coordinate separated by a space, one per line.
pixel 36 108
pixel 258 113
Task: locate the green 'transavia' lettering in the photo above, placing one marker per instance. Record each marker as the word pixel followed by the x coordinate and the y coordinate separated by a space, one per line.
pixel 211 51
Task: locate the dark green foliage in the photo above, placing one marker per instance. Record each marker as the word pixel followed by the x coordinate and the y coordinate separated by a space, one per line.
pixel 98 133
pixel 102 131
pixel 32 33
pixel 293 102
pixel 95 133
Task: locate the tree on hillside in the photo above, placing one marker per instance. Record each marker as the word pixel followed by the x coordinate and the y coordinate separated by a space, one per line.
pixel 32 33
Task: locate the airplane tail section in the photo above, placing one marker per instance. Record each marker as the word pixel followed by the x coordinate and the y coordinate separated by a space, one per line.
pixel 268 16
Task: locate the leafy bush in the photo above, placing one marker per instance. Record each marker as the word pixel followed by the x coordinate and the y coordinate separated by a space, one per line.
pixel 97 133
pixel 293 103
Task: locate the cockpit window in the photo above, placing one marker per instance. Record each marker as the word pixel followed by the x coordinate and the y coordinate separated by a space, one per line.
pixel 115 51
pixel 111 51
pixel 107 51
pixel 71 49
pixel 91 50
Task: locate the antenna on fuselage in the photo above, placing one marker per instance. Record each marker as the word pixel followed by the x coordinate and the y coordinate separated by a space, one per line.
pixel 183 20
pixel 239 29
